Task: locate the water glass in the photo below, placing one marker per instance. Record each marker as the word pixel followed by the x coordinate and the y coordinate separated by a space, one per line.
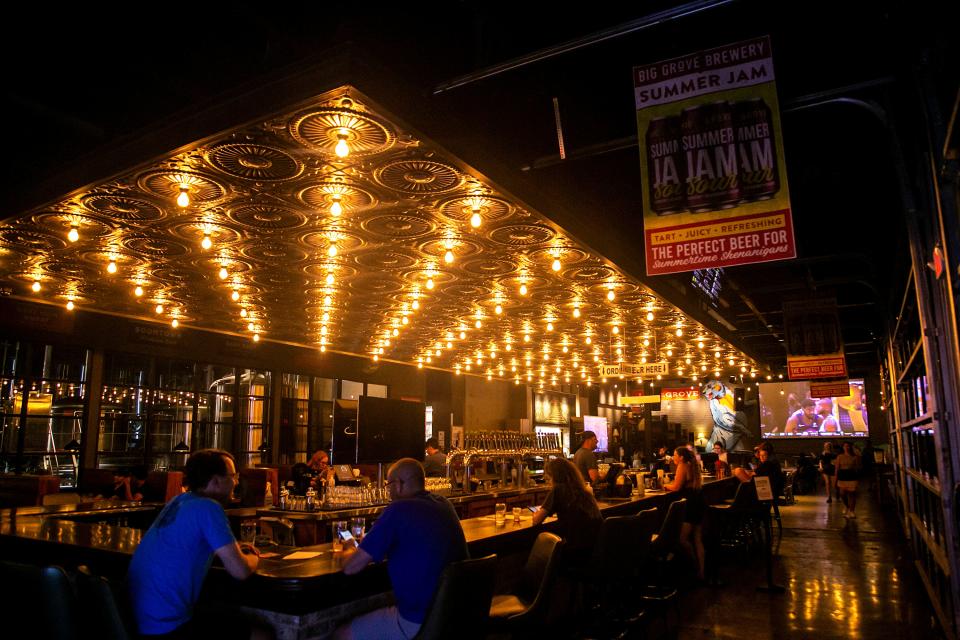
pixel 357 528
pixel 248 531
pixel 500 514
pixel 336 540
pixel 516 515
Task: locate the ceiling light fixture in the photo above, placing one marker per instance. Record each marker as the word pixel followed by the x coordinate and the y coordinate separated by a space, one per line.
pixel 73 235
pixel 35 286
pixel 138 291
pixel 111 267
pixel 336 208
pixel 183 198
pixel 69 305
pixel 206 243
pixel 342 149
pixel 223 273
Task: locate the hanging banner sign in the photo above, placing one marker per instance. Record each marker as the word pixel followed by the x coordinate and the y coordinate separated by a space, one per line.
pixel 832 389
pixel 711 154
pixel 647 369
pixel 813 339
pixel 686 393
pixel 816 367
pixel 633 401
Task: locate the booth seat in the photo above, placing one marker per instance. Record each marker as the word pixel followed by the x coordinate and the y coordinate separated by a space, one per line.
pixel 26 490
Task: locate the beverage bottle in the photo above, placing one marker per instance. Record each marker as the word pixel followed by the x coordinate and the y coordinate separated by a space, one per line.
pixel 268 496
pixel 311 499
pixel 284 498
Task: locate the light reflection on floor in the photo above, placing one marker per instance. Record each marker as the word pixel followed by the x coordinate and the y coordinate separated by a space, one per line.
pixel 844 579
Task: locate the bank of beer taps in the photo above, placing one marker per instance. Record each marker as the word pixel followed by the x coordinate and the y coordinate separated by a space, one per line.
pixel 505 444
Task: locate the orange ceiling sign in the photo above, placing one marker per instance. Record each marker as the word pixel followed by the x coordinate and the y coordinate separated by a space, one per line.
pixel 816 367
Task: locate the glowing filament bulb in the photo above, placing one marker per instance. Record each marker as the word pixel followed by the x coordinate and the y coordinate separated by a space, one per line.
pixel 35 286
pixel 256 337
pixel 549 326
pixel 730 362
pixel 669 352
pixel 475 219
pixel 565 349
pixel 336 208
pixel 243 313
pixel 449 345
pixel 679 332
pixel 429 283
pixel 611 295
pixel 183 199
pixel 526 337
pixel 716 354
pixel 138 291
pixel 463 335
pixel 616 329
pixel 589 340
pixel 327 300
pixel 206 243
pixel 646 342
pixel 508 347
pixel 323 330
pixel 404 320
pixel 174 323
pixel 329 279
pixel 159 309
pixel 111 267
pixel 477 324
pixel 448 257
pixel 576 312
pixel 396 332
pixel 649 315
pixel 342 149
pixel 250 326
pixel 235 295
pixel 700 345
pixel 498 309
pixel 523 289
pixel 223 274
pixel 415 305
pixel 556 264
pixel 332 251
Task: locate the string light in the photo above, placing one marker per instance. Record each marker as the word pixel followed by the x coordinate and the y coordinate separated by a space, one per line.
pixel 206 243
pixel 111 267
pixel 183 199
pixel 138 291
pixel 35 286
pixel 235 295
pixel 73 235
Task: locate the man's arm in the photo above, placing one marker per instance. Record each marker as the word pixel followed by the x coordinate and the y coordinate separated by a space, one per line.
pixel 594 475
pixel 791 425
pixel 239 561
pixel 357 561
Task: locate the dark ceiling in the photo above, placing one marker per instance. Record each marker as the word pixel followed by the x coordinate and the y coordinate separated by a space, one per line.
pixel 81 86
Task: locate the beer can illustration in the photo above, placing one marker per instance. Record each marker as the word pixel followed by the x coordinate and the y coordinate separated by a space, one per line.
pixel 759 174
pixel 711 157
pixel 666 168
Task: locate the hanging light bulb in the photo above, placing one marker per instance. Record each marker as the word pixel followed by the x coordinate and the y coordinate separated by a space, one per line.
pixel 243 313
pixel 556 264
pixel 206 243
pixel 183 199
pixel 111 267
pixel 223 273
pixel 526 337
pixel 576 312
pixel 679 332
pixel 73 235
pixel 523 289
pixel 323 330
pixel 429 283
pixel 498 309
pixel 332 251
pixel 336 208
pixel 174 323
pixel 138 291
pixel 589 339
pixel 700 345
pixel 69 305
pixel 463 335
pixel 549 326
pixel 159 309
pixel 250 326
pixel 475 219
pixel 649 316
pixel 35 286
pixel 327 300
pixel 611 295
pixel 256 337
pixel 477 324
pixel 323 348
pixel 235 295
pixel 342 149
pixel 616 329
pixel 448 257
pixel 329 279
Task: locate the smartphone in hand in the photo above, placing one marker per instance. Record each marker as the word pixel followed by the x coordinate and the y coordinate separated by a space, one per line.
pixel 533 509
pixel 347 537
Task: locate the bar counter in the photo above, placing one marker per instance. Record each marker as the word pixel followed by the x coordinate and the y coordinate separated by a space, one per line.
pixel 309 595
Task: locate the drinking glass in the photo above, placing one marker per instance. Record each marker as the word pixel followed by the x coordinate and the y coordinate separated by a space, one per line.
pixel 338 526
pixel 357 528
pixel 501 513
pixel 248 531
pixel 516 515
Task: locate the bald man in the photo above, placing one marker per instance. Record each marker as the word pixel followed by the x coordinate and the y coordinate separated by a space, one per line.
pixel 418 534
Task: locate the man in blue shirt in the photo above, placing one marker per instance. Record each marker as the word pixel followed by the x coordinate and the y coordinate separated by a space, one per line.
pixel 419 534
pixel 171 562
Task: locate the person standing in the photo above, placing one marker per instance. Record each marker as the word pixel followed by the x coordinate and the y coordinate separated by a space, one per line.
pixel 828 470
pixel 435 462
pixel 418 534
pixel 847 470
pixel 585 460
pixel 688 483
pixel 170 563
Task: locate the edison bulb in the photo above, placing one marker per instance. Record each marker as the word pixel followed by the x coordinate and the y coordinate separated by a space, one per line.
pixel 69 305
pixel 576 312
pixel 249 326
pixel 73 235
pixel 206 243
pixel 174 323
pixel 332 251
pixel 429 283
pixel 616 329
pixel 589 340
pixel 649 315
pixel 611 295
pixel 526 338
pixel 549 326
pixel 556 264
pixel 342 149
pixel 35 286
pixel 336 208
pixel 463 335
pixel 327 300
pixel 235 295
pixel 223 273
pixel 138 291
pixel 523 289
pixel 498 309
pixel 159 309
pixel 243 313
pixel 679 332
pixel 111 267
pixel 323 348
pixel 256 337
pixel 477 324
pixel 329 279
pixel 448 257
pixel 475 220
pixel 183 199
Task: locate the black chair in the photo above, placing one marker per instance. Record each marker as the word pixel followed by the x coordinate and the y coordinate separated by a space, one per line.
pixel 526 609
pixel 666 540
pixel 100 615
pixel 739 522
pixel 462 602
pixel 39 602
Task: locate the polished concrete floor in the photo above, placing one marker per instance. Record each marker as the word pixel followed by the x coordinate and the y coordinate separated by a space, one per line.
pixel 843 579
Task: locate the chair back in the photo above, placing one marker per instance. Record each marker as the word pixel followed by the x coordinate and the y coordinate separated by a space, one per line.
pixel 539 572
pixel 669 535
pixel 39 603
pixel 461 604
pixel 100 614
pixel 746 496
pixel 623 544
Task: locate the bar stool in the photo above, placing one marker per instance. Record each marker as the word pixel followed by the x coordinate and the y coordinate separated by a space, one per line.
pixel 40 602
pixel 101 616
pixel 738 520
pixel 462 602
pixel 527 608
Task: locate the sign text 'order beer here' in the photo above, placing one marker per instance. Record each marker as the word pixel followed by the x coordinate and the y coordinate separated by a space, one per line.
pixel 711 155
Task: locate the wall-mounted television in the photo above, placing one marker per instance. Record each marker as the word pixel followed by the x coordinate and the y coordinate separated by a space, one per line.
pixel 599 425
pixel 787 410
pixel 389 429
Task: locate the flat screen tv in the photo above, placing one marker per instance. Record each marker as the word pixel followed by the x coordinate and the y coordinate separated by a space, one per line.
pixel 344 445
pixel 597 424
pixel 788 411
pixel 389 429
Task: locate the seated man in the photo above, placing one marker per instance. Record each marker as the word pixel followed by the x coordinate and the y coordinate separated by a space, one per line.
pixel 419 535
pixel 434 463
pixel 170 563
pixel 804 420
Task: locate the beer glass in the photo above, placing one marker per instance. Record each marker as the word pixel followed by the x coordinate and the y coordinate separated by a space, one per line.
pixel 336 540
pixel 248 531
pixel 500 516
pixel 516 515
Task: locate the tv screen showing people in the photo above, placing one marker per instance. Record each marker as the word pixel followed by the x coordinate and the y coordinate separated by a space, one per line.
pixel 597 424
pixel 788 410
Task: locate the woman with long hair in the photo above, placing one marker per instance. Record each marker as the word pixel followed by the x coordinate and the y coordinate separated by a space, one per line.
pixel 688 483
pixel 574 505
pixel 847 471
pixel 827 469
